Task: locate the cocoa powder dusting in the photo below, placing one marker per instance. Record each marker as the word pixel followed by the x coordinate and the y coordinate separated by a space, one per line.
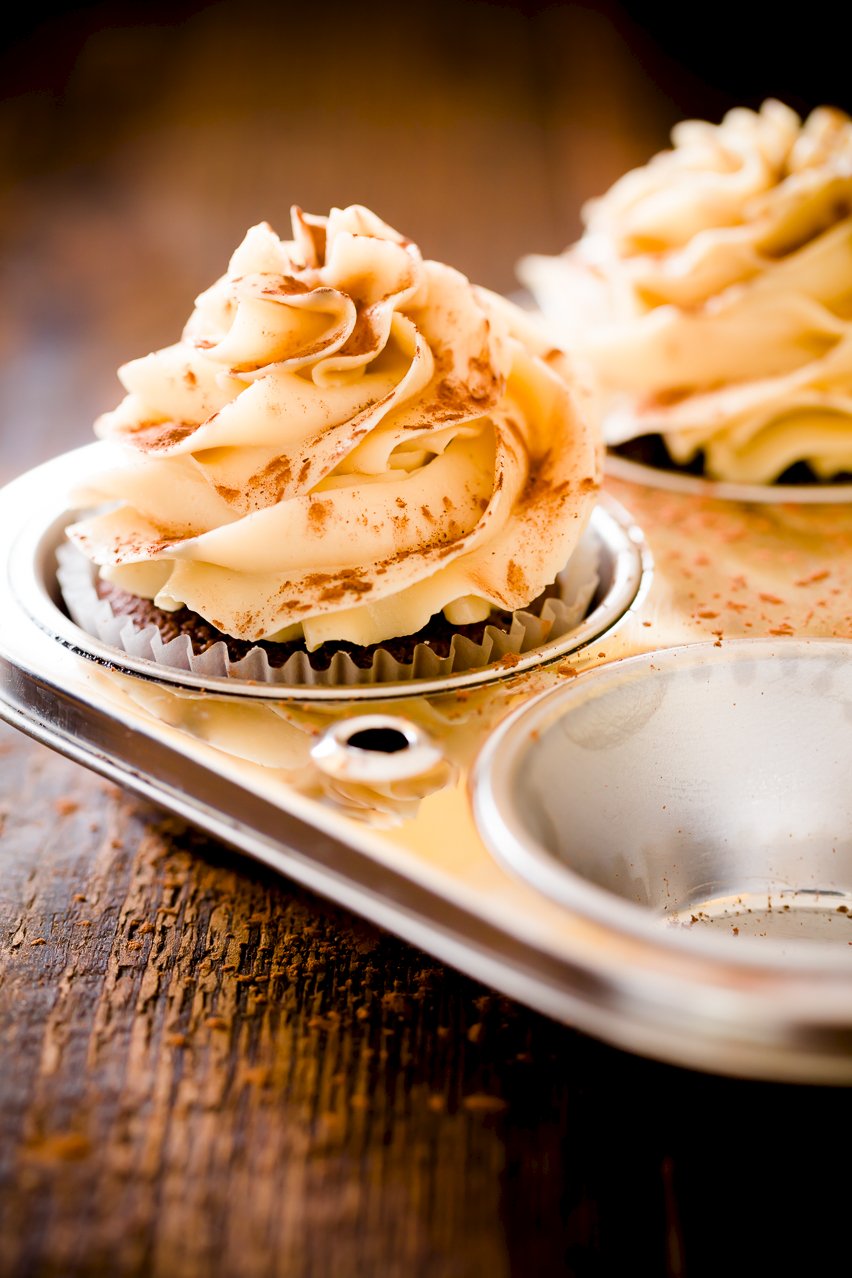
pixel 363 340
pixel 333 587
pixel 484 384
pixel 282 285
pixel 137 548
pixel 319 512
pixel 150 437
pixel 273 479
pixel 451 401
pixel 813 578
pixel 515 579
pixel 228 494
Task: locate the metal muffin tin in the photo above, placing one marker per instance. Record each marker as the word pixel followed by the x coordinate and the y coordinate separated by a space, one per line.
pixel 515 827
pixel 722 817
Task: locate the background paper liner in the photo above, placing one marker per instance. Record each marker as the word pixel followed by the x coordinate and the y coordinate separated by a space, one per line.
pixel 544 620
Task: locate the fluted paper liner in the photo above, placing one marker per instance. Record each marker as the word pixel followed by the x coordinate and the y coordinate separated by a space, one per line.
pixel 546 619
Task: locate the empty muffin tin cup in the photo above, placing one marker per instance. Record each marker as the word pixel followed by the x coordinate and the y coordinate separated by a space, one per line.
pixel 697 802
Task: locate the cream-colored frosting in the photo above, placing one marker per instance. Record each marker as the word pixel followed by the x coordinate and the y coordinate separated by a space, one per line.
pixel 346 440
pixel 711 294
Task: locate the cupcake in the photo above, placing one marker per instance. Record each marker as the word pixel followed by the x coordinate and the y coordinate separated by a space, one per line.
pixel 710 297
pixel 349 445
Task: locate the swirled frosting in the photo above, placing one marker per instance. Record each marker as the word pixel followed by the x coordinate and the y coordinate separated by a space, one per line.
pixel 711 294
pixel 346 440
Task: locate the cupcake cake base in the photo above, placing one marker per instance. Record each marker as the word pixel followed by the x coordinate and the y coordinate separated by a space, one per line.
pixel 181 640
pixel 650 450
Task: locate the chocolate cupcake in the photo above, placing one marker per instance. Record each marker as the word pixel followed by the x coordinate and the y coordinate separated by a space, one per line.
pixel 709 298
pixel 349 447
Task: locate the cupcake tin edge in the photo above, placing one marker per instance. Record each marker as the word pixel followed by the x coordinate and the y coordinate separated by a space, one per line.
pixel 447 894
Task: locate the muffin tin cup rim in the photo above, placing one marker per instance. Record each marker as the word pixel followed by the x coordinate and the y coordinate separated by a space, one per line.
pixel 518 850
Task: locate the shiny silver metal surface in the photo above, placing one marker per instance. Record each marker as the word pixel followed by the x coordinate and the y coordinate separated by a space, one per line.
pixel 408 853
pixel 696 486
pixel 698 798
pixel 375 749
pixel 32 567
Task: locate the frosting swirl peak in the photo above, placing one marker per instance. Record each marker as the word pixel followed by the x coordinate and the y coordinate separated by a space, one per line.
pixel 347 439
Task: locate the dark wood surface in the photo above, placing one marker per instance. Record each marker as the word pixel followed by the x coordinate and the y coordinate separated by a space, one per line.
pixel 207 1071
pixel 204 1070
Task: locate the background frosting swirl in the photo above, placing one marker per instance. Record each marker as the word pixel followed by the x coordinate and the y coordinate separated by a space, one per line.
pixel 346 440
pixel 711 294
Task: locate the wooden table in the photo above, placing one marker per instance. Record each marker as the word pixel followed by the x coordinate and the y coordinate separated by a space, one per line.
pixel 204 1070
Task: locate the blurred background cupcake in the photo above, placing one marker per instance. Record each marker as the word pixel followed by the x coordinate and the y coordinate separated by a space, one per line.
pixel 711 297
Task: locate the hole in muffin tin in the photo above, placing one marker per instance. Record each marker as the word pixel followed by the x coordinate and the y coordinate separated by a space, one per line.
pixel 379 740
pixel 624 567
pixel 375 749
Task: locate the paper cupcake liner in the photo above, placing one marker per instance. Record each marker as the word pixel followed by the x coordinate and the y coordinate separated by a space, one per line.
pixel 650 450
pixel 547 618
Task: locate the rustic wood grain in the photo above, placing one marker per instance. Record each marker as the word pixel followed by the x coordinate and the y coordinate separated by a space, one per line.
pixel 205 1072
pixel 208 1072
